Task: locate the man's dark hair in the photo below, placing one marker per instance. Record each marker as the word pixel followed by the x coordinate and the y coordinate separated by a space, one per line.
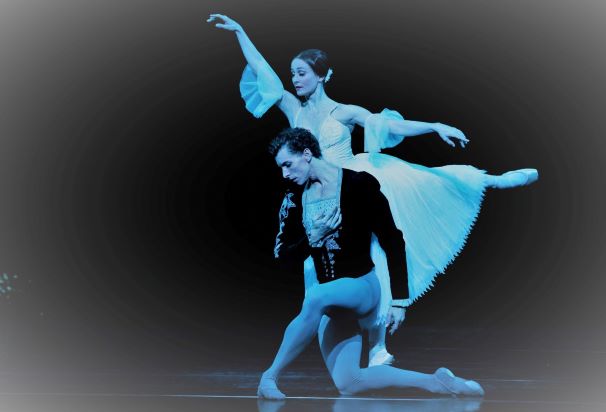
pixel 296 139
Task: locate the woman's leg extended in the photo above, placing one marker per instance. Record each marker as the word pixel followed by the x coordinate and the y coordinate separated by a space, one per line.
pixel 514 178
pixel 354 295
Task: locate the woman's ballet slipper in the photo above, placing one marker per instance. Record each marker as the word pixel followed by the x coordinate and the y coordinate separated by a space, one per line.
pixel 515 178
pixel 268 389
pixel 382 357
pixel 457 386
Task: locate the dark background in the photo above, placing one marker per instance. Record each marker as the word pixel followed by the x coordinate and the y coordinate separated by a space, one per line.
pixel 138 204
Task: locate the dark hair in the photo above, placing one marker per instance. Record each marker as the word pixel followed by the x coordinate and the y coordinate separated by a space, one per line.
pixel 317 60
pixel 296 139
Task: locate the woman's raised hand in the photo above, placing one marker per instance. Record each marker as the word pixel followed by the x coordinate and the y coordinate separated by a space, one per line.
pixel 447 133
pixel 224 22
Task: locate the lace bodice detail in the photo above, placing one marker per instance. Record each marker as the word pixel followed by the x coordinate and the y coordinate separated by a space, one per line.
pixel 314 208
pixel 317 208
pixel 334 138
pixel 311 211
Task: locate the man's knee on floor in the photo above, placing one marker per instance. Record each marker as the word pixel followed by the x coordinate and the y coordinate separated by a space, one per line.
pixel 349 384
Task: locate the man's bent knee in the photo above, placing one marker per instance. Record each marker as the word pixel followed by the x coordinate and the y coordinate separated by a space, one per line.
pixel 314 303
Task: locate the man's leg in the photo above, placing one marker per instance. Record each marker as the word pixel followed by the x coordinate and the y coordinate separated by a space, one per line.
pixel 352 294
pixel 341 346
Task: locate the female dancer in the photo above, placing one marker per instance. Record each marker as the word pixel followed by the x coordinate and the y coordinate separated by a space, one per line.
pixel 435 208
pixel 348 289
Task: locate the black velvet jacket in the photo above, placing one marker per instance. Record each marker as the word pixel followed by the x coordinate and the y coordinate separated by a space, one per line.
pixel 364 210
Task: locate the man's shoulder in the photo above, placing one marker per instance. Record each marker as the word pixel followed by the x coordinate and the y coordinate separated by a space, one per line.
pixel 362 179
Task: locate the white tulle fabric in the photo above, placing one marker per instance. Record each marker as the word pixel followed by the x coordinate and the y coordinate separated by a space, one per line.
pixel 376 131
pixel 260 90
pixel 435 208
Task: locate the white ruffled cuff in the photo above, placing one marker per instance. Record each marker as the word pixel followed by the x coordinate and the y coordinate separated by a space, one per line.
pixel 260 90
pixel 376 131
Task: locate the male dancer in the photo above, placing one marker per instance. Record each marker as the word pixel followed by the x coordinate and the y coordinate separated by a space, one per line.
pixel 348 290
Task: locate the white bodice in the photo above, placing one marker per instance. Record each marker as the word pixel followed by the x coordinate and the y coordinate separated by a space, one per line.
pixel 334 138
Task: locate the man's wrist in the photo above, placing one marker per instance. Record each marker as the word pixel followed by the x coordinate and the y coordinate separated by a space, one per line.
pixel 400 303
pixel 313 242
pixel 316 238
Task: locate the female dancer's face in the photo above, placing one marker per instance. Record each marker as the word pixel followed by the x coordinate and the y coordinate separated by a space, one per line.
pixel 304 78
pixel 295 166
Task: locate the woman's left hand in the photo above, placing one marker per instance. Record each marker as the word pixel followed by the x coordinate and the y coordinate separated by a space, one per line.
pixel 447 133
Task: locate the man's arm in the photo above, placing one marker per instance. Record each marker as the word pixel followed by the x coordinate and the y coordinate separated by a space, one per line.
pixel 389 236
pixel 291 240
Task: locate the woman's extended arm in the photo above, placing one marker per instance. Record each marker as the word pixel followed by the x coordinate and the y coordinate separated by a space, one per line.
pixel 287 102
pixel 414 128
pixel 250 52
pixel 400 127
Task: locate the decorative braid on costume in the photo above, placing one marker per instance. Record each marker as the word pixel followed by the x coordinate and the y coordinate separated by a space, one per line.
pixel 287 203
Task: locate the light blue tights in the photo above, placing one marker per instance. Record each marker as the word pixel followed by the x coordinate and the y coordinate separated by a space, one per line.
pixel 332 311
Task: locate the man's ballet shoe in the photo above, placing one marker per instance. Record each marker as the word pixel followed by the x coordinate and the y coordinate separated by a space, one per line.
pixel 457 386
pixel 382 357
pixel 268 389
pixel 515 178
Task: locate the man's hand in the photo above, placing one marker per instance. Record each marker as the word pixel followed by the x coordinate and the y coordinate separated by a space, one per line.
pixel 324 225
pixel 395 317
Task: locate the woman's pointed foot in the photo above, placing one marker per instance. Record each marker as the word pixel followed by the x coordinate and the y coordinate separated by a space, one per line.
pixel 457 386
pixel 381 357
pixel 515 178
pixel 268 389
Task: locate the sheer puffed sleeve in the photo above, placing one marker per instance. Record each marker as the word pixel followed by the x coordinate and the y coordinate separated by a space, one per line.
pixel 260 90
pixel 376 131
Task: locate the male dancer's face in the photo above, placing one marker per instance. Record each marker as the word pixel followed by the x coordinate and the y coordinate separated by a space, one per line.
pixel 295 166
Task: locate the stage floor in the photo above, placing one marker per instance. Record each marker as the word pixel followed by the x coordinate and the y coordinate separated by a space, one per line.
pixel 514 380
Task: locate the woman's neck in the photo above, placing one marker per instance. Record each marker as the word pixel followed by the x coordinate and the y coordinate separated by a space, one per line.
pixel 317 99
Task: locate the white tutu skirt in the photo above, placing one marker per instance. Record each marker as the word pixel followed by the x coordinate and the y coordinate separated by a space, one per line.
pixel 434 207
